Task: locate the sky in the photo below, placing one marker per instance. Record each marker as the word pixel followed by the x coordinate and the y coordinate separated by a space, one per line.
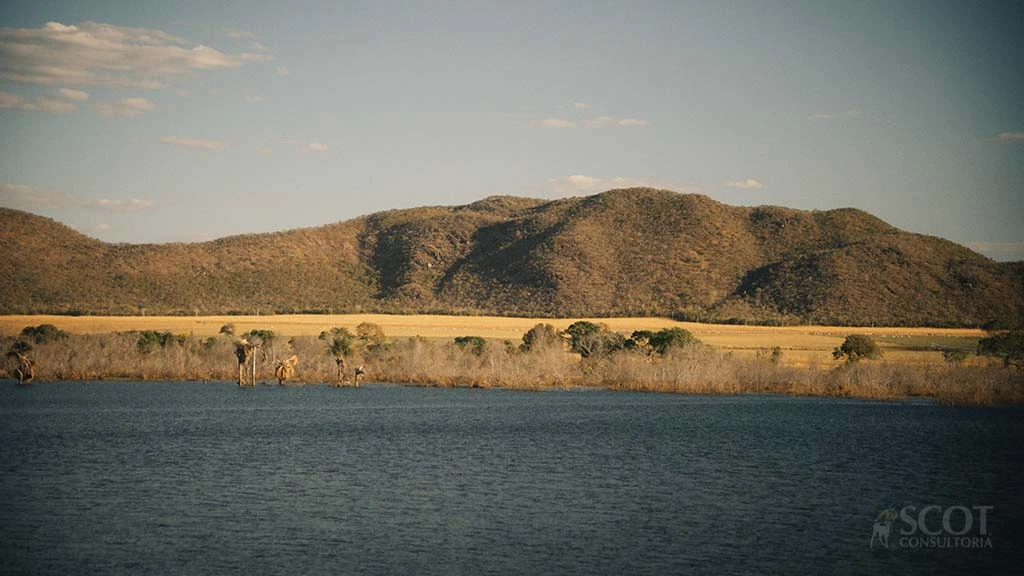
pixel 187 121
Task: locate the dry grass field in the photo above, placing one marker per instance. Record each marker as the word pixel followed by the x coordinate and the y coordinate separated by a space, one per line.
pixel 801 345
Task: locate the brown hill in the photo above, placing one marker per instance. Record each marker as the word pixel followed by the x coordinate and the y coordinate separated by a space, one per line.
pixel 623 252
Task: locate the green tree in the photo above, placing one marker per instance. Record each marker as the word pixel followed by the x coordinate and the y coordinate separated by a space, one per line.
pixel 261 337
pixel 669 338
pixel 43 334
pixel 150 340
pixel 340 342
pixel 474 344
pixel 954 356
pixel 1009 346
pixel 540 337
pixel 857 347
pixel 593 340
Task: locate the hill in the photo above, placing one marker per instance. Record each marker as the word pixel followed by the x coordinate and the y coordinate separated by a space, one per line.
pixel 620 253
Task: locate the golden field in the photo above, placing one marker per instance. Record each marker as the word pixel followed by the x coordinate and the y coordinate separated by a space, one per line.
pixel 801 345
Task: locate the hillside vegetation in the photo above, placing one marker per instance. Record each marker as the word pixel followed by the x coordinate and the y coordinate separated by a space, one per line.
pixel 636 252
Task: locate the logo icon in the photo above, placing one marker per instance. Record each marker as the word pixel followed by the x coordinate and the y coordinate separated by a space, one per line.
pixel 883 526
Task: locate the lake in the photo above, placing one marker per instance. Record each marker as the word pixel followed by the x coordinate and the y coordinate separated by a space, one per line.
pixel 208 478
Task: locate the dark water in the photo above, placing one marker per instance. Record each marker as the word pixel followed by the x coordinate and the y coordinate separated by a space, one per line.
pixel 186 478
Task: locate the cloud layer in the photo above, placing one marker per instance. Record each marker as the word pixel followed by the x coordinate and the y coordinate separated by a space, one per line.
pixel 1003 251
pixel 92 53
pixel 126 107
pixel 40 104
pixel 748 184
pixel 581 184
pixel 1009 137
pixel 835 116
pixel 28 198
pixel 194 143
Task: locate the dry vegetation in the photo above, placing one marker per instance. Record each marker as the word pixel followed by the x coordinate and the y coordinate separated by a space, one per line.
pixel 421 350
pixel 636 252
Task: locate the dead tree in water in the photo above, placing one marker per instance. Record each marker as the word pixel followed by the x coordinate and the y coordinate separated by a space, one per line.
pixel 285 369
pixel 24 368
pixel 245 352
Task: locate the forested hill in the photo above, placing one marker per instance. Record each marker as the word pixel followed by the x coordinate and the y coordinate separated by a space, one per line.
pixel 623 252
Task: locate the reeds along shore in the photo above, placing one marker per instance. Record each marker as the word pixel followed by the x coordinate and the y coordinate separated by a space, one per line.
pixel 697 369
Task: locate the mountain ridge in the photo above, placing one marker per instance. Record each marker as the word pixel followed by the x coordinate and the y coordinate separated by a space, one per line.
pixel 636 251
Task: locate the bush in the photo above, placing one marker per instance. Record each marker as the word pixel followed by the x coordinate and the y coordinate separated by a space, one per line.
pixel 540 337
pixel 475 344
pixel 1009 346
pixel 261 337
pixel 954 357
pixel 19 348
pixel 150 340
pixel 593 340
pixel 371 334
pixel 857 347
pixel 43 334
pixel 669 338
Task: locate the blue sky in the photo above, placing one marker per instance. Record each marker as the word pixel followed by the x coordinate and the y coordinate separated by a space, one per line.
pixel 184 121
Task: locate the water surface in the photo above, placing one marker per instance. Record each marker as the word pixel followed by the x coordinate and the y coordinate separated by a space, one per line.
pixel 191 478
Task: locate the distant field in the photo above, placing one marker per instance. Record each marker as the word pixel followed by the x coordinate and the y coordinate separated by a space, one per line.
pixel 800 344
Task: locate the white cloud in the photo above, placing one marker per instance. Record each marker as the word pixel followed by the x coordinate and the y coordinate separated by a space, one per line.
pixel 556 123
pixel 605 121
pixel 1003 251
pixel 118 205
pixel 252 99
pixel 581 105
pixel 40 104
pixel 748 184
pixel 28 198
pixel 92 53
pixel 1009 137
pixel 126 107
pixel 194 143
pixel 303 145
pixel 283 71
pixel 100 228
pixel 833 116
pixel 77 95
pixel 239 34
pixel 581 184
pixel 600 122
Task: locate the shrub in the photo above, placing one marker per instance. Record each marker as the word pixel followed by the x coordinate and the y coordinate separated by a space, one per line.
pixel 43 334
pixel 1009 346
pixel 857 347
pixel 261 337
pixel 954 356
pixel 540 337
pixel 593 340
pixel 150 340
pixel 669 338
pixel 228 329
pixel 372 335
pixel 475 344
pixel 19 347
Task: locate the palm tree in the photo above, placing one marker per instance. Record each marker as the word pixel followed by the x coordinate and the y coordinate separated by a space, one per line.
pixel 340 347
pixel 24 367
